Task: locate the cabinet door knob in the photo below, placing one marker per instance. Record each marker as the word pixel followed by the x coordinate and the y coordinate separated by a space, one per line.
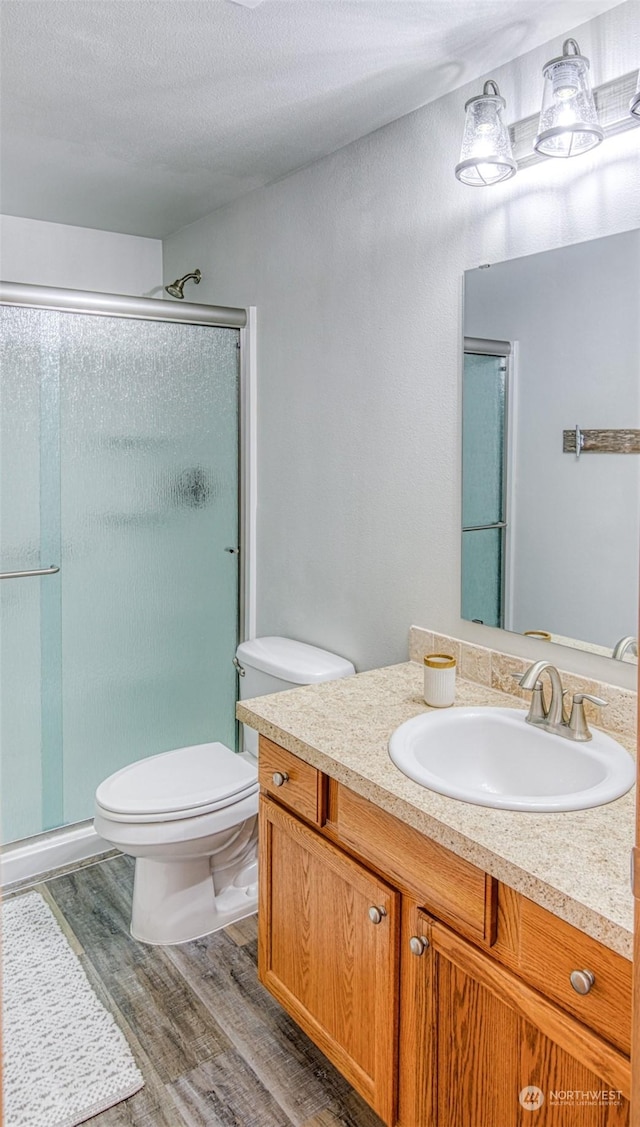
pixel 279 778
pixel 418 944
pixel 582 980
pixel 376 914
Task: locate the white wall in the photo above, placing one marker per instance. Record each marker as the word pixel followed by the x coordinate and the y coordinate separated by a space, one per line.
pixel 79 258
pixel 355 265
pixel 575 523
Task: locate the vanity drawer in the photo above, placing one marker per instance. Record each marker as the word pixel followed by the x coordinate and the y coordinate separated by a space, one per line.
pixel 293 782
pixel 444 884
pixel 551 949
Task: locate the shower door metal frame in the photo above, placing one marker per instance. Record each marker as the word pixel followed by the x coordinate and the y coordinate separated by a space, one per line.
pixel 120 305
pixel 184 313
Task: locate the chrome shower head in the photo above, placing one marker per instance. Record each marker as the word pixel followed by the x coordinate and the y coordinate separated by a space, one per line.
pixel 176 288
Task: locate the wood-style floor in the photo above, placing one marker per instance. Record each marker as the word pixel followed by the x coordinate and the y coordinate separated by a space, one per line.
pixel 213 1046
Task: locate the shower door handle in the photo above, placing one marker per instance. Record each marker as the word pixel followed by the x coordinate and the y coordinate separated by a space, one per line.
pixel 25 574
pixel 485 527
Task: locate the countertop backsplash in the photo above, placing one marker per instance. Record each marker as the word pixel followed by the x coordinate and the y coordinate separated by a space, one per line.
pixel 496 670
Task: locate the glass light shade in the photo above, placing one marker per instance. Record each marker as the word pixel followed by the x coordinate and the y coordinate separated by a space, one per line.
pixel 568 119
pixel 634 106
pixel 486 156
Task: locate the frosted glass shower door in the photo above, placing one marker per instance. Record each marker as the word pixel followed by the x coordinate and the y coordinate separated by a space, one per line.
pixel 149 466
pixel 119 458
pixel 30 643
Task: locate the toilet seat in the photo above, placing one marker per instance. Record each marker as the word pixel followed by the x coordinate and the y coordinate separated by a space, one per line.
pixel 187 782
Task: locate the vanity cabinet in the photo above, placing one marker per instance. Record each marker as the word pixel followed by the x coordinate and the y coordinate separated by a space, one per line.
pixel 546 952
pixel 474 1036
pixel 438 993
pixel 295 784
pixel 328 951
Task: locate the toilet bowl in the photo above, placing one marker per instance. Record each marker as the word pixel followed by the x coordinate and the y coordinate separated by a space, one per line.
pixel 189 816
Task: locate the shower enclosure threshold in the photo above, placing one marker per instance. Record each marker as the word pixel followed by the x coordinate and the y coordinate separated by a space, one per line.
pixel 33 856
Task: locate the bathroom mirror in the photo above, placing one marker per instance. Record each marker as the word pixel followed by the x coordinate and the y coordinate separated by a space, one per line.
pixel 550 539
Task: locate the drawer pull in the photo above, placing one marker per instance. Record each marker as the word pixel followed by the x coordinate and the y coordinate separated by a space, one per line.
pixel 418 944
pixel 582 980
pixel 376 914
pixel 279 778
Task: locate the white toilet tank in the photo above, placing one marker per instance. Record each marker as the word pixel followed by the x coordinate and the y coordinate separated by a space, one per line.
pixel 273 664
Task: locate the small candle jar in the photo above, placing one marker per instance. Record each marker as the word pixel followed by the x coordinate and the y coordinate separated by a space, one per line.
pixel 439 680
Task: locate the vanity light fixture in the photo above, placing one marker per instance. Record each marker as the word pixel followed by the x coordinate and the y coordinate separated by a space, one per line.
pixel 568 119
pixel 486 156
pixel 634 107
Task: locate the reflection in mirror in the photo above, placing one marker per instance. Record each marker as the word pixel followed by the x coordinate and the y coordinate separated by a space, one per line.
pixel 484 474
pixel 550 539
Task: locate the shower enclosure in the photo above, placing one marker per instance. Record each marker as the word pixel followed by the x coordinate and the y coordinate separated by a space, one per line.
pixel 119 531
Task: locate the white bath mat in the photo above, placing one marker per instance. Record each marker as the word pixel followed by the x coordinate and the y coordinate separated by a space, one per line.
pixel 65 1058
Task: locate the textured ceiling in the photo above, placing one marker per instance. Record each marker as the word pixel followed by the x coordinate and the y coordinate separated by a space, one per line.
pixel 142 115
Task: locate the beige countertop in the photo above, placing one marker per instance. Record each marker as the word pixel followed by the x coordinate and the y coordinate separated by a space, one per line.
pixel 575 864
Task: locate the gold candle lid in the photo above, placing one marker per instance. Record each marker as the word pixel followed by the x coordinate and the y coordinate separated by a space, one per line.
pixel 544 634
pixel 440 661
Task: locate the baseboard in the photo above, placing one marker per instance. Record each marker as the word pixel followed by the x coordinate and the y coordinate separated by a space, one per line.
pixel 24 860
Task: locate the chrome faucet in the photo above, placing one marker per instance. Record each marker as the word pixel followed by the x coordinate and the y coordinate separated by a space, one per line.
pixel 552 717
pixel 628 645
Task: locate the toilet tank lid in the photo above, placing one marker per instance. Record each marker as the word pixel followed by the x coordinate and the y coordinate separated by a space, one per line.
pixel 293 661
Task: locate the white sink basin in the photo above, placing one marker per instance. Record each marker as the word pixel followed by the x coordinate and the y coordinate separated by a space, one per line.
pixel 492 757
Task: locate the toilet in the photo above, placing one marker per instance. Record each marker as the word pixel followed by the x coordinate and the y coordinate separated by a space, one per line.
pixel 189 816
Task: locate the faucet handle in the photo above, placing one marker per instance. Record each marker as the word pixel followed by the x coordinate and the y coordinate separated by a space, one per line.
pixel 577 721
pixel 518 677
pixel 580 697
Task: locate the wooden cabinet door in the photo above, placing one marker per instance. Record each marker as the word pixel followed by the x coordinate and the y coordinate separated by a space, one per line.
pixel 321 955
pixel 417 1079
pixel 478 1046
